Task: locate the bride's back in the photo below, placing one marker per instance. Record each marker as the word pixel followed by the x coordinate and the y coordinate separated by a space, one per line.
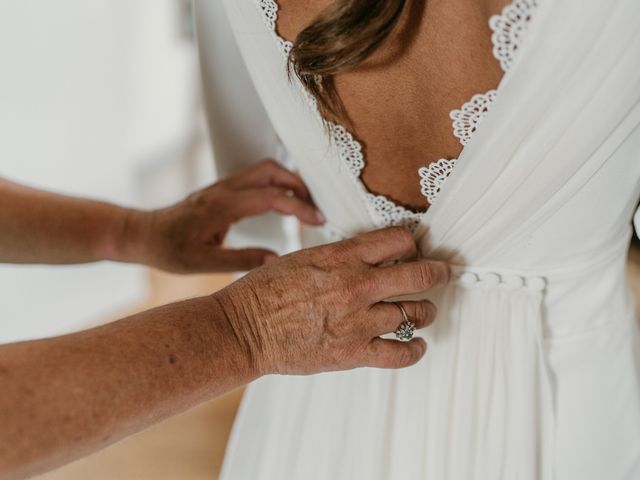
pixel 399 100
pixel 535 218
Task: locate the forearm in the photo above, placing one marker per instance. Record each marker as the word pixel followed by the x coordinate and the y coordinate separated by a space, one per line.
pixel 43 227
pixel 67 396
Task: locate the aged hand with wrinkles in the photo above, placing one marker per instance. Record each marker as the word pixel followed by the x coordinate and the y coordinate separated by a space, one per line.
pixel 311 311
pixel 322 309
pixel 188 236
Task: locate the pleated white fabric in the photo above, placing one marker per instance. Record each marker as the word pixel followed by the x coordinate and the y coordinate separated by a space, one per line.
pixel 533 370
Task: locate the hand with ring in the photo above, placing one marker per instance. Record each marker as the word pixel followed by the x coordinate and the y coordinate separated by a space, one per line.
pixel 324 308
pixel 407 328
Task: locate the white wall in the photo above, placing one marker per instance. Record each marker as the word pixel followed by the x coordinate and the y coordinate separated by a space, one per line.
pixel 91 93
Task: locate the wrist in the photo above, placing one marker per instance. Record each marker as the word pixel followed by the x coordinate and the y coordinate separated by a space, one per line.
pixel 240 326
pixel 125 238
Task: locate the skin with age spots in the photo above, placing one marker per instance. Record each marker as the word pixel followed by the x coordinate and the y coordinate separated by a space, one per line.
pixel 316 310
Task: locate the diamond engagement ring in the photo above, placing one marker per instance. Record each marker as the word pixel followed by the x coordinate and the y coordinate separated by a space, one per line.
pixel 407 328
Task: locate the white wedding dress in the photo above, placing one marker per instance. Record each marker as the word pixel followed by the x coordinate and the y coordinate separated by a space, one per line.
pixel 533 370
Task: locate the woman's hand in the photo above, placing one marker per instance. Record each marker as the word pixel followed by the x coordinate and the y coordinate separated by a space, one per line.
pixel 311 311
pixel 188 237
pixel 320 309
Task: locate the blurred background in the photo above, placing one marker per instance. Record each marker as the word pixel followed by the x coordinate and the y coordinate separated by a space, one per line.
pixel 98 98
pixel 102 98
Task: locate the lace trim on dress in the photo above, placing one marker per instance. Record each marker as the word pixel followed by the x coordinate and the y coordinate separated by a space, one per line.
pixel 349 149
pixel 433 176
pixel 269 9
pixel 469 116
pixel 388 213
pixel 384 212
pixel 509 28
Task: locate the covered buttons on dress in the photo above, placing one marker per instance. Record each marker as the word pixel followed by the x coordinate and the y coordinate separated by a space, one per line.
pixel 491 280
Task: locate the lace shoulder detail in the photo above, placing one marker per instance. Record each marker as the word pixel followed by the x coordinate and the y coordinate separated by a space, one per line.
pixel 509 29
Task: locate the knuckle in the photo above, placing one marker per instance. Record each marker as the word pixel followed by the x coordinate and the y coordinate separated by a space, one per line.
pixel 422 314
pixel 350 291
pixel 362 246
pixel 344 250
pixel 446 271
pixel 441 272
pixel 424 274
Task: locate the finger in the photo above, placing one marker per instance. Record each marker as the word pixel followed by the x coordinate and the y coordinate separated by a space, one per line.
pixel 241 260
pixel 381 246
pixel 407 278
pixel 270 173
pixel 385 317
pixel 382 353
pixel 261 200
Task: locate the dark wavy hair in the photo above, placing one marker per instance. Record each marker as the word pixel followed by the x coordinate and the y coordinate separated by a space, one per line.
pixel 342 37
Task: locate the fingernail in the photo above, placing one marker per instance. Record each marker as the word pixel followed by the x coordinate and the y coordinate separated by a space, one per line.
pixel 270 258
pixel 321 218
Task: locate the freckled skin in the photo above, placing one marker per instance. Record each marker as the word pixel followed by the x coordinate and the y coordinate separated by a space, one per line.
pixel 312 311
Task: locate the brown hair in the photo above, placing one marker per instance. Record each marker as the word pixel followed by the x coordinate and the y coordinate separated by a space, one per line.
pixel 342 37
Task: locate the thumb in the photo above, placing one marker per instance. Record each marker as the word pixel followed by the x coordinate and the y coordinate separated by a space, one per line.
pixel 241 260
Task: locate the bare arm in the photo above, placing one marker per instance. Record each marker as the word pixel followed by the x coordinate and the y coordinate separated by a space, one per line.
pixel 43 227
pixel 312 311
pixel 65 397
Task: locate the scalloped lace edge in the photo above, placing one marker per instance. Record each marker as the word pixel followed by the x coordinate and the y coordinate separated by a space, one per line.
pixel 509 28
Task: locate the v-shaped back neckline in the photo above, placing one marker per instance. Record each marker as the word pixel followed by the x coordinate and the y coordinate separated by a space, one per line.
pixel 383 211
pixel 449 195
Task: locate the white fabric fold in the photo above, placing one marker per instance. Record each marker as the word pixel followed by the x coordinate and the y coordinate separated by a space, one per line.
pixel 545 188
pixel 569 101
